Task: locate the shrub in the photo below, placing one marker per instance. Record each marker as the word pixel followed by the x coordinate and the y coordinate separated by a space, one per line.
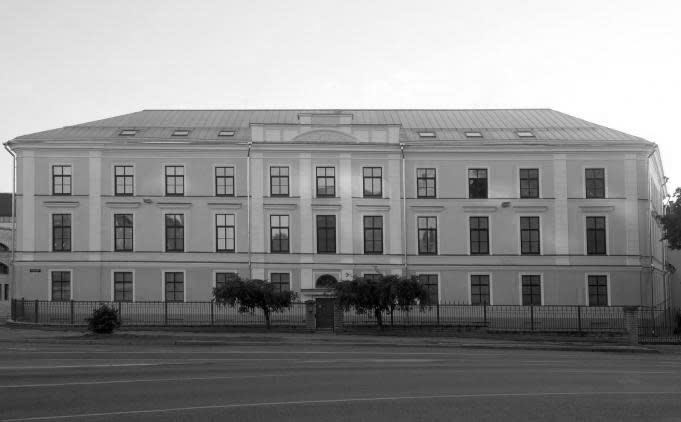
pixel 104 320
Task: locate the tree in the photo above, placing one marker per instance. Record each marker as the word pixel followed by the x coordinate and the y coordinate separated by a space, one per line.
pixel 251 294
pixel 383 295
pixel 672 221
pixel 104 320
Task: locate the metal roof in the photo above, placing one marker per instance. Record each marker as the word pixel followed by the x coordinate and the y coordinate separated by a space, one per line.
pixel 495 124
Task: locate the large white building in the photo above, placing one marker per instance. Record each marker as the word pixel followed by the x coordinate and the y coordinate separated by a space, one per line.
pixel 493 206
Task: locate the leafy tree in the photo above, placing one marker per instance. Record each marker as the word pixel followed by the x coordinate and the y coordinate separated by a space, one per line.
pixel 383 295
pixel 248 295
pixel 104 320
pixel 672 221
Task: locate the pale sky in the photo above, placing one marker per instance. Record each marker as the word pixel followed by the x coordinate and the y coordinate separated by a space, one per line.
pixel 615 63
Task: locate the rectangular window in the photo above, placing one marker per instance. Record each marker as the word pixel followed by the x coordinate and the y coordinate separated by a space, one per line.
pixel 122 287
pixel 61 232
pixel 373 277
pixel 61 286
pixel 326 182
pixel 61 180
pixel 281 282
pixel 224 181
pixel 425 183
pixel 531 290
pixel 427 234
pixel 174 285
pixel 595 182
pixel 595 236
pixel 598 290
pixel 429 281
pixel 279 181
pixel 480 289
pixel 373 182
pixel 529 183
pixel 373 234
pixel 529 236
pixel 174 180
pixel 279 228
pixel 326 234
pixel 174 232
pixel 477 183
pixel 224 232
pixel 123 183
pixel 479 233
pixel 222 278
pixel 123 232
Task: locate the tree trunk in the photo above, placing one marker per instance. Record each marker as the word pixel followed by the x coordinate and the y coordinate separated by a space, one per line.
pixel 267 318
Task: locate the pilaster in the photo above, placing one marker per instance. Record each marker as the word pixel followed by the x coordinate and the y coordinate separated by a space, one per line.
pixel 561 225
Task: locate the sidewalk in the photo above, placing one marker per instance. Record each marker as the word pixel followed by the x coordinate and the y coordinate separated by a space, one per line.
pixel 187 337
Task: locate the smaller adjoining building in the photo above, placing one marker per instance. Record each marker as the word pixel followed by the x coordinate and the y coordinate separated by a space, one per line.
pixel 5 251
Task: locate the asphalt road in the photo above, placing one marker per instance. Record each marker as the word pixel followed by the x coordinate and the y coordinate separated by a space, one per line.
pixel 331 383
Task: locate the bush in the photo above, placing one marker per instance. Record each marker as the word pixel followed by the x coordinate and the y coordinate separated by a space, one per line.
pixel 104 320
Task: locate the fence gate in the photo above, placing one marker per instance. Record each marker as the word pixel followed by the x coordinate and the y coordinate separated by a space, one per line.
pixel 324 314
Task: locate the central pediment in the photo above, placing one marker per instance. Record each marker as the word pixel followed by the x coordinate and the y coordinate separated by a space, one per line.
pixel 325 135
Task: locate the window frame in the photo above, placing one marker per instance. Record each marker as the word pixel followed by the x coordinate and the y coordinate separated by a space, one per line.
pixel 470 236
pixel 53 178
pixel 49 283
pixel 364 234
pixel 520 235
pixel 288 235
pixel 132 232
pixel 115 166
pixel 327 230
pixel 439 284
pixel 586 235
pixel 426 178
pixel 437 235
pixel 325 177
pixel 113 284
pixel 470 287
pixel 222 271
pixel 166 176
pixel 216 231
pixel 216 178
pixel 587 295
pixel 52 229
pixel 372 178
pixel 288 180
pixel 520 183
pixel 184 232
pixel 487 183
pixel 288 273
pixel 184 285
pixel 605 181
pixel 541 286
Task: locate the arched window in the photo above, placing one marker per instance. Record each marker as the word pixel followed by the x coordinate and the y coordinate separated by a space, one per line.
pixel 325 281
pixel 3 247
pixel 4 269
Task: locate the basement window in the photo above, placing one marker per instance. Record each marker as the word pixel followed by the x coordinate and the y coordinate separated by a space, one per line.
pixel 427 134
pixel 473 134
pixel 524 134
pixel 127 132
pixel 224 133
pixel 181 132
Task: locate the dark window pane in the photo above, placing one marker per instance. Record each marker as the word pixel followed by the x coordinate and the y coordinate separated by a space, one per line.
pixel 425 183
pixel 595 182
pixel 531 290
pixel 477 183
pixel 529 236
pixel 529 183
pixel 326 234
pixel 479 235
pixel 480 290
pixel 427 235
pixel 373 234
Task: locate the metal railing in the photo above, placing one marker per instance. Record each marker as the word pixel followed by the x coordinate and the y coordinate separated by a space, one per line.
pixel 660 324
pixel 153 314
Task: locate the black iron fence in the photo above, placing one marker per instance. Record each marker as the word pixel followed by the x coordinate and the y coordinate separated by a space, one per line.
pixel 660 324
pixel 552 318
pixel 153 314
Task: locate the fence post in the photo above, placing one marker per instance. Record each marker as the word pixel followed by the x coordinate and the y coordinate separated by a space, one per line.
pixel 212 314
pixel 532 317
pixel 35 311
pixel 165 313
pixel 579 318
pixel 438 314
pixel 631 323
pixel 71 302
pixel 484 310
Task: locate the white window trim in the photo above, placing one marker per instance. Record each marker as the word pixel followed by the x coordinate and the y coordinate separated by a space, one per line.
pixel 51 232
pixel 437 181
pixel 605 179
pixel 214 230
pixel 126 270
pixel 489 181
pixel 470 286
pixel 607 232
pixel 381 214
pixel 336 177
pixel 163 284
pixel 163 230
pixel 520 286
pixel 290 277
pixel 541 234
pixel 468 233
pixel 213 188
pixel 49 282
pixel 416 225
pixel 290 180
pixel 134 228
pixel 268 232
pixel 314 231
pixel 51 175
pixel 163 179
pixel 439 282
pixel 382 167
pixel 134 178
pixel 539 174
pixel 586 286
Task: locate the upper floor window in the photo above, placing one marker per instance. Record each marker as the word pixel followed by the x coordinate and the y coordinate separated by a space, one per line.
pixel 373 234
pixel 598 290
pixel 279 181
pixel 224 232
pixel 430 283
pixel 123 183
pixel 326 181
pixel 174 232
pixel 529 236
pixel 127 132
pixel 373 182
pixel 222 278
pixel 123 232
pixel 480 289
pixel 477 183
pixel 61 180
pixel 280 281
pixel 61 285
pixel 594 179
pixel 61 232
pixel 174 180
pixel 122 286
pixel 326 234
pixel 279 233
pixel 479 233
pixel 529 183
pixel 425 183
pixel 427 235
pixel 224 181
pixel 595 236
pixel 531 290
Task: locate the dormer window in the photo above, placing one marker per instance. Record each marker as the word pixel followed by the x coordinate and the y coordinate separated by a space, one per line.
pixel 181 132
pixel 524 134
pixel 127 132
pixel 473 134
pixel 226 133
pixel 427 134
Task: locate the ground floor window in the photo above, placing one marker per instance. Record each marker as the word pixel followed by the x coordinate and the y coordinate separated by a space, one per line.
pixel 222 278
pixel 61 285
pixel 480 289
pixel 531 290
pixel 281 281
pixel 429 281
pixel 598 290
pixel 123 286
pixel 174 286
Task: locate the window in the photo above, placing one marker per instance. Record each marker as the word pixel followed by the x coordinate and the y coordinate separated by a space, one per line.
pixel 61 286
pixel 425 183
pixel 595 183
pixel 427 227
pixel 429 281
pixel 123 180
pixel 174 180
pixel 174 286
pixel 373 181
pixel 373 277
pixel 4 269
pixel 595 236
pixel 224 181
pixel 326 234
pixel 226 133
pixel 222 278
pixel 373 234
pixel 224 232
pixel 127 132
pixel 61 180
pixel 479 233
pixel 480 289
pixel 174 232
pixel 122 287
pixel 180 132
pixel 529 183
pixel 61 232
pixel 473 134
pixel 426 134
pixel 598 290
pixel 477 183
pixel 326 182
pixel 531 290
pixel 123 232
pixel 279 181
pixel 281 282
pixel 525 134
pixel 529 236
pixel 279 233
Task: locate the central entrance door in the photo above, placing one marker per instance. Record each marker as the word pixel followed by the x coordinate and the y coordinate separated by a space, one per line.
pixel 324 314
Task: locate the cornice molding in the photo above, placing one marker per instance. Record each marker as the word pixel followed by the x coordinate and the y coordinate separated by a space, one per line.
pixel 61 204
pixel 597 208
pixel 530 208
pixel 479 208
pixel 122 204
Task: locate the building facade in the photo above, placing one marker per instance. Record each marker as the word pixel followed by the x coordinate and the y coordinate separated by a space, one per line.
pixel 5 252
pixel 484 206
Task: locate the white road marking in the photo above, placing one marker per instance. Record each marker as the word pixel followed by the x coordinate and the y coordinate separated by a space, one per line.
pixel 348 400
